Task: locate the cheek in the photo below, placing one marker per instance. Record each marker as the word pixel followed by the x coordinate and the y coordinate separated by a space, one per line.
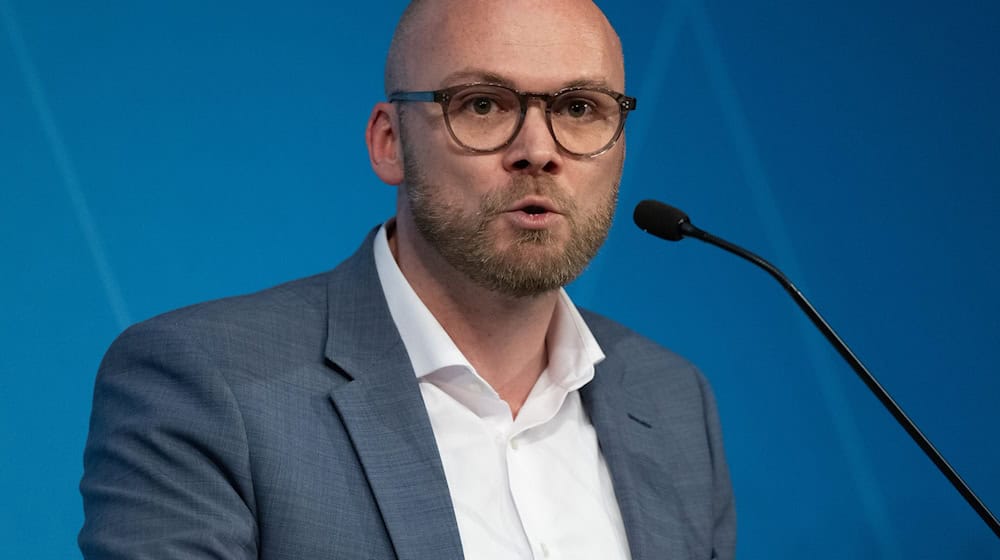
pixel 465 179
pixel 597 183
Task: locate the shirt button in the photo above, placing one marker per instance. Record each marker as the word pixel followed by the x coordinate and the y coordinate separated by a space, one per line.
pixel 545 550
pixel 513 444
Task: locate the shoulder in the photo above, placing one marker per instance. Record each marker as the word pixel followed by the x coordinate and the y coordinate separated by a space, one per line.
pixel 294 312
pixel 295 305
pixel 647 368
pixel 253 343
pixel 618 340
pixel 252 336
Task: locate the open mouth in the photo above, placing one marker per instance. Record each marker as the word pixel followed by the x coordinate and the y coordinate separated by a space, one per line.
pixel 533 210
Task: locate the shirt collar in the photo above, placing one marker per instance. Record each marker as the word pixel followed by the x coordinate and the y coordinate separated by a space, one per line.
pixel 573 350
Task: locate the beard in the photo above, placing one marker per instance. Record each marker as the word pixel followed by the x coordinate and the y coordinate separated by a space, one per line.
pixel 535 261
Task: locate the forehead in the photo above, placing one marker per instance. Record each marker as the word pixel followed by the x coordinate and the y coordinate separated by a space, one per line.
pixel 533 45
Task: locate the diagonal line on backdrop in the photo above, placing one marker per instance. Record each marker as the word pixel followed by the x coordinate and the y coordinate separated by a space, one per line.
pixel 65 166
pixel 652 86
pixel 638 130
pixel 838 407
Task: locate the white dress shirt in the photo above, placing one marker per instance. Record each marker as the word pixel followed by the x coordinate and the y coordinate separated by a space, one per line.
pixel 532 487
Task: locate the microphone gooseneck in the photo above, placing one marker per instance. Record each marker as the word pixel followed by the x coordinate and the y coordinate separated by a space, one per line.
pixel 666 222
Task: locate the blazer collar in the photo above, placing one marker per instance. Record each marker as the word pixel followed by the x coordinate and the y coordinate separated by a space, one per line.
pixel 381 407
pixel 642 459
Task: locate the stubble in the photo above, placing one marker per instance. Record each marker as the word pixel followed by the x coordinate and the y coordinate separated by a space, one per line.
pixel 535 261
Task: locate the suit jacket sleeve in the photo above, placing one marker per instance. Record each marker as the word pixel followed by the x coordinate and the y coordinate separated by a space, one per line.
pixel 166 466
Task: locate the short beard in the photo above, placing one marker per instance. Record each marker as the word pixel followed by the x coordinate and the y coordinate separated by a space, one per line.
pixel 535 262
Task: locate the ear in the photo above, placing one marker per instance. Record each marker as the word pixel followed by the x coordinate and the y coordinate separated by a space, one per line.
pixel 384 149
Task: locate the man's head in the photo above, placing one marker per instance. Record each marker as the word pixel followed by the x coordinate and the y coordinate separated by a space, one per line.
pixel 525 218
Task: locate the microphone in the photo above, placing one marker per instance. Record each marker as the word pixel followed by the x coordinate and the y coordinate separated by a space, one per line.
pixel 666 222
pixel 659 219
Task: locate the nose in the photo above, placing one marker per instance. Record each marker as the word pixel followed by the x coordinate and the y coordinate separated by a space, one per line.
pixel 533 150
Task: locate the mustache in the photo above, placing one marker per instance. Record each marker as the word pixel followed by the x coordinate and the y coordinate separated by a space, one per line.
pixel 498 200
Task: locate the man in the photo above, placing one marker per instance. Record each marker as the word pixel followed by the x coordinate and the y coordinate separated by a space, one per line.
pixel 437 394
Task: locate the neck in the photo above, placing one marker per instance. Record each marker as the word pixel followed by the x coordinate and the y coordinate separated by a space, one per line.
pixel 502 336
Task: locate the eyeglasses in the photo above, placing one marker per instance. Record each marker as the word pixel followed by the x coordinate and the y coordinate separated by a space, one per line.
pixel 485 117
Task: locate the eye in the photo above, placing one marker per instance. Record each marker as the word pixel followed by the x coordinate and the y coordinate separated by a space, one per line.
pixel 578 108
pixel 483 100
pixel 481 105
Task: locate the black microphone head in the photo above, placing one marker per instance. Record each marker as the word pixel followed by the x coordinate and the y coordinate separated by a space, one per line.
pixel 659 219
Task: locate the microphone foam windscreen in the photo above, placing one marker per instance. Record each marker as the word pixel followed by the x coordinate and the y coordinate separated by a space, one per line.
pixel 659 219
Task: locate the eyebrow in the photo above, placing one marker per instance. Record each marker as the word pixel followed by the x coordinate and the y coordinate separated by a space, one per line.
pixel 477 75
pixel 601 83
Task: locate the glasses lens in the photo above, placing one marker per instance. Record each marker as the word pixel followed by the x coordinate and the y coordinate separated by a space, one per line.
pixel 585 121
pixel 483 117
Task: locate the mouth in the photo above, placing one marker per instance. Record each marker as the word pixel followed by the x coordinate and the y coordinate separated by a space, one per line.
pixel 534 213
pixel 534 206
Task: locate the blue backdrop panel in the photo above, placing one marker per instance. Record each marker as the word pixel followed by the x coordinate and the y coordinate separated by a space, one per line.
pixel 155 154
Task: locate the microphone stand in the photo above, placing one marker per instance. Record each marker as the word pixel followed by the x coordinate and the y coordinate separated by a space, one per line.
pixel 687 229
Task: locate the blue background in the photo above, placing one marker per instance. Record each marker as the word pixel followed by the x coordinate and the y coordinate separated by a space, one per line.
pixel 155 154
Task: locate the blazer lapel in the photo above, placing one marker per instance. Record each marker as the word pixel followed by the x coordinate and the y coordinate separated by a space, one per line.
pixel 641 464
pixel 382 409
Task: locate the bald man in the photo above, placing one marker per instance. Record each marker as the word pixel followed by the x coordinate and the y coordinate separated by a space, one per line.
pixel 437 395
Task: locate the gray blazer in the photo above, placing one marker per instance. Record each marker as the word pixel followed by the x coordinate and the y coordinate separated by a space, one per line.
pixel 288 425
